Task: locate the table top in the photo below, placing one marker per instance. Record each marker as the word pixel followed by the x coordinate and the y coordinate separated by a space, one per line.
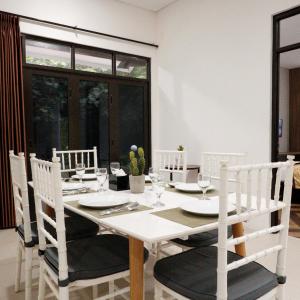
pixel 144 225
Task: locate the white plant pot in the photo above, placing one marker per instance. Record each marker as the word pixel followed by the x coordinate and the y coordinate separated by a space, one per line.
pixel 137 184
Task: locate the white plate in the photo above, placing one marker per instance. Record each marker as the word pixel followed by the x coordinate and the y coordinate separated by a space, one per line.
pixel 147 178
pixel 71 186
pixel 173 184
pixel 205 207
pixel 85 177
pixel 103 201
pixel 191 187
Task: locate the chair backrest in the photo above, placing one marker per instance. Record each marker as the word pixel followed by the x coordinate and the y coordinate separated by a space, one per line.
pixel 171 162
pixel 46 178
pixel 256 202
pixel 20 192
pixel 210 162
pixel 69 159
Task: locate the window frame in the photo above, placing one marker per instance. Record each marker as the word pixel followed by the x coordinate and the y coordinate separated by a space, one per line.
pixel 73 46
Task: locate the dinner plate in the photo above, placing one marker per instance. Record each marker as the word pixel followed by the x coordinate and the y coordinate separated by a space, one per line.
pixel 147 178
pixel 88 176
pixel 173 184
pixel 71 186
pixel 103 201
pixel 191 187
pixel 205 207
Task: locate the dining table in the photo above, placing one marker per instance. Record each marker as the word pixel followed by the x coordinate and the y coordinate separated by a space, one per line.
pixel 148 225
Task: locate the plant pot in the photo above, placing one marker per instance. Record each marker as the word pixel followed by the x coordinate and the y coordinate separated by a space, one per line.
pixel 137 184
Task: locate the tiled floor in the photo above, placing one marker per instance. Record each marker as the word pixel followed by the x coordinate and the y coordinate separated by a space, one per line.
pixel 7 268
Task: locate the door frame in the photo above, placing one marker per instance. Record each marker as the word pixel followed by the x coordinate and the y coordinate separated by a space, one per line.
pixel 276 51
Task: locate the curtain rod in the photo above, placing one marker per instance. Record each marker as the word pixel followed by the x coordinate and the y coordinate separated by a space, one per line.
pixel 81 29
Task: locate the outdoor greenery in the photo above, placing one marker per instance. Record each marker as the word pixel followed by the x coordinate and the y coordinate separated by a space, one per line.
pixel 48 62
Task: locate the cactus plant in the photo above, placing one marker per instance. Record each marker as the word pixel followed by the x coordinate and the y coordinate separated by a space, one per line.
pixel 137 161
pixel 180 148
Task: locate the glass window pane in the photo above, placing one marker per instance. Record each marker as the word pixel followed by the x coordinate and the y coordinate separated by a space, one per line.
pixel 131 66
pixel 48 54
pixel 290 31
pixel 93 61
pixel 94 118
pixel 50 114
pixel 131 119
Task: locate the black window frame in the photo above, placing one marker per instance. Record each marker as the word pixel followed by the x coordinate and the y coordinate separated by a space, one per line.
pixel 29 69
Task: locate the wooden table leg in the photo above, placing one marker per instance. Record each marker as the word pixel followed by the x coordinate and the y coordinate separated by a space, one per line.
pixel 237 231
pixel 136 262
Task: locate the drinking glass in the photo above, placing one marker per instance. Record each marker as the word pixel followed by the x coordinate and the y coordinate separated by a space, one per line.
pixel 158 188
pixel 152 174
pixel 101 174
pixel 114 167
pixel 203 183
pixel 80 170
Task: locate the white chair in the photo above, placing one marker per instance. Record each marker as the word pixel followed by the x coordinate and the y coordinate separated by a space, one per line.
pixel 210 163
pixel 171 162
pixel 69 159
pixel 216 273
pixel 81 263
pixel 26 241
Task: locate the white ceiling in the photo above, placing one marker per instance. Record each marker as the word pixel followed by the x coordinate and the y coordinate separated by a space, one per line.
pixel 154 5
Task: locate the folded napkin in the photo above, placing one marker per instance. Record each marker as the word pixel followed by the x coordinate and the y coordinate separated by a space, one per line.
pixel 120 172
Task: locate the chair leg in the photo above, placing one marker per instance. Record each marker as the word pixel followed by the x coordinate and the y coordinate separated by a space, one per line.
pixel 63 293
pixel 111 289
pixel 28 273
pixel 42 283
pixel 158 293
pixel 95 291
pixel 18 267
pixel 280 292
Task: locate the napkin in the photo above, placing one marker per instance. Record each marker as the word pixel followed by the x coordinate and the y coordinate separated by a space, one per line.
pixel 120 172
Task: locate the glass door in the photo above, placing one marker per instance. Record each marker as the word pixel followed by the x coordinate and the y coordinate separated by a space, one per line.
pixel 93 121
pixel 48 125
pixel 131 119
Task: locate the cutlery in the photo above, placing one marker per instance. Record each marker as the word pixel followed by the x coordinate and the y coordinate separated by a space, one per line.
pixel 77 191
pixel 131 206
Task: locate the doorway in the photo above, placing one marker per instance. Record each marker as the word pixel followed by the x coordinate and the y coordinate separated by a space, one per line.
pixel 286 100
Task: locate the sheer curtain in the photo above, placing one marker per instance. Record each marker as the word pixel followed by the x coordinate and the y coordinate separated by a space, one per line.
pixel 12 119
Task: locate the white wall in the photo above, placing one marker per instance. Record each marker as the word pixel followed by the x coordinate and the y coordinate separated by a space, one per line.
pixel 215 75
pixel 284 105
pixel 108 16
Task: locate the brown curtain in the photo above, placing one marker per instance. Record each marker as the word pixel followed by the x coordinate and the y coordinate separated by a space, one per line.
pixel 12 119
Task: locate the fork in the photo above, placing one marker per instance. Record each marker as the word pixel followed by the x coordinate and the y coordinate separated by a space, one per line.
pixel 131 206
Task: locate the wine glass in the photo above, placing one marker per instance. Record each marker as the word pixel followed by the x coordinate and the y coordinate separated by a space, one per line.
pixel 101 174
pixel 158 188
pixel 203 183
pixel 114 167
pixel 80 170
pixel 152 174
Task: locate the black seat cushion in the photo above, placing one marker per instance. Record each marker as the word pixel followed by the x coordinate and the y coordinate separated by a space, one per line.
pixel 76 227
pixel 193 274
pixel 203 239
pixel 93 257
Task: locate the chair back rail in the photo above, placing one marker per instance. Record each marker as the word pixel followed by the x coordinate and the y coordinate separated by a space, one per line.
pixel 20 192
pixel 48 192
pixel 170 161
pixel 69 159
pixel 256 202
pixel 210 162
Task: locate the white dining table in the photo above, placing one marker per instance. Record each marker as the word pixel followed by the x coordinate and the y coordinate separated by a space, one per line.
pixel 143 226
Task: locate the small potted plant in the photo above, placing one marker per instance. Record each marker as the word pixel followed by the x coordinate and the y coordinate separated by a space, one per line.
pixel 180 148
pixel 137 167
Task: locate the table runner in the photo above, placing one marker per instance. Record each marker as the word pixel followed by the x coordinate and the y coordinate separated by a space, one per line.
pixel 97 212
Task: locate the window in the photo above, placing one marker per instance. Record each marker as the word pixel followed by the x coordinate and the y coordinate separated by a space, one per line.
pixel 93 61
pixel 78 97
pixel 47 54
pixel 131 66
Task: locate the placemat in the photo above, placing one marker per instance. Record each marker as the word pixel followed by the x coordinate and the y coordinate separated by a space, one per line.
pixel 184 218
pixel 97 212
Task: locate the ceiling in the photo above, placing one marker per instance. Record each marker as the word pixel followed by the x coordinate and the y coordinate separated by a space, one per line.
pixel 154 5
